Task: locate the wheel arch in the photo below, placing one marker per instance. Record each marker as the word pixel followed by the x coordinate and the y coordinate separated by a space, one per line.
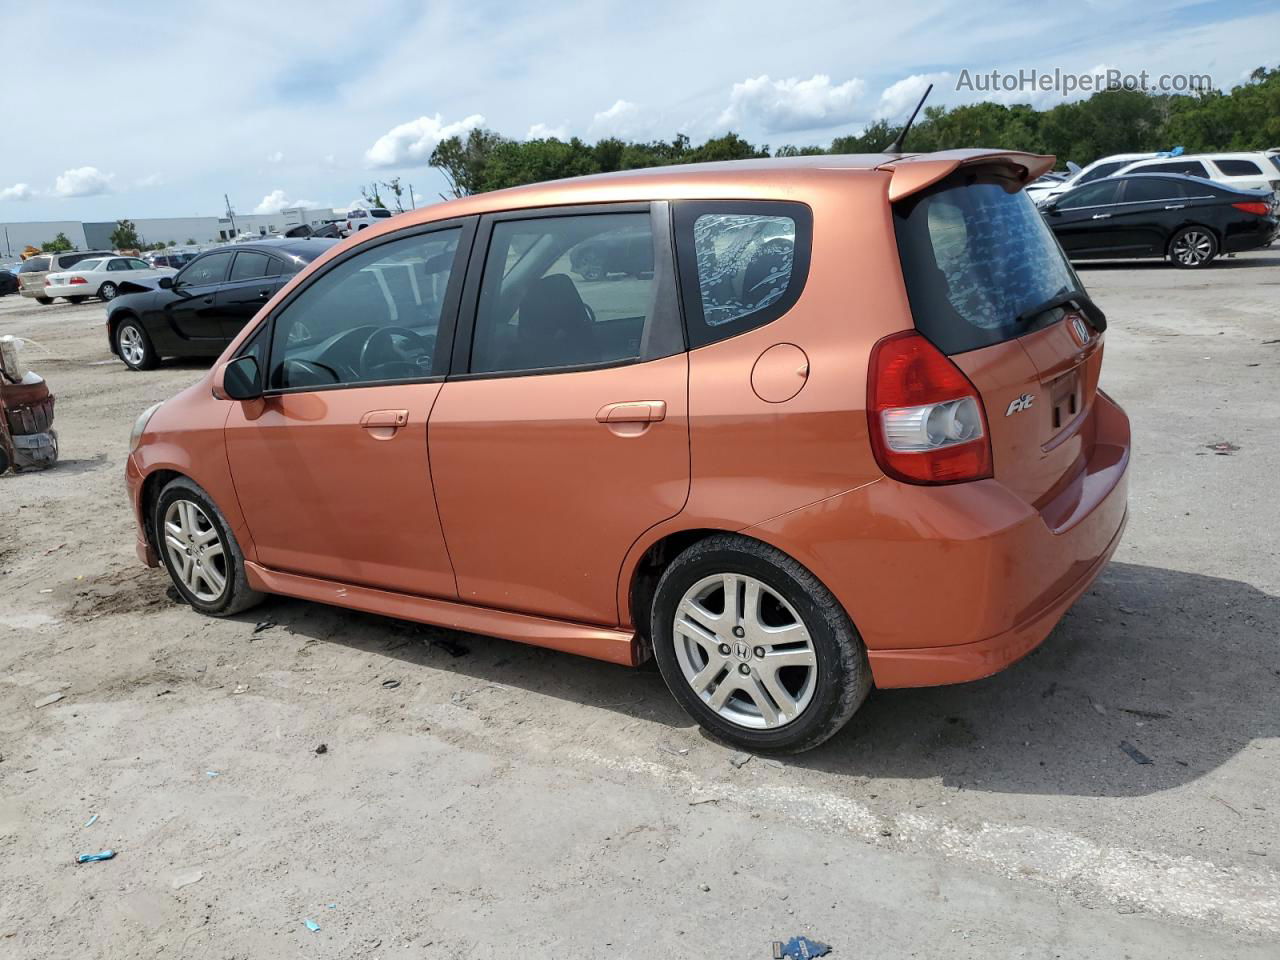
pixel 1197 225
pixel 114 319
pixel 152 484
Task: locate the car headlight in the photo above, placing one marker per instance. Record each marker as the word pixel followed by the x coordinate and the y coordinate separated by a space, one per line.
pixel 140 425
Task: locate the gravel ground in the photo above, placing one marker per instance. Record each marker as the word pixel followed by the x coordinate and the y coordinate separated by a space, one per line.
pixel 507 801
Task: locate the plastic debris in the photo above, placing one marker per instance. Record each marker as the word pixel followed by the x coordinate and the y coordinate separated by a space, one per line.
pixel 322 749
pixel 92 820
pixel 390 684
pixel 45 701
pixel 187 878
pixel 799 948
pixel 1136 755
pixel 312 925
pixel 95 857
pixel 263 625
pixel 331 906
pixel 673 750
pixel 1223 448
pixel 211 773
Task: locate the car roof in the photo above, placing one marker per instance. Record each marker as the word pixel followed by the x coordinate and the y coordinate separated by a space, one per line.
pixel 301 248
pixel 774 178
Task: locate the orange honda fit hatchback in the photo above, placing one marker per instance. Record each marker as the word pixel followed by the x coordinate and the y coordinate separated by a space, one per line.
pixel 791 427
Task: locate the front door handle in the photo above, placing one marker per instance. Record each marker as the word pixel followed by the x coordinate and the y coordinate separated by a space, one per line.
pixel 633 411
pixel 264 294
pixel 383 424
pixel 1101 216
pixel 1175 206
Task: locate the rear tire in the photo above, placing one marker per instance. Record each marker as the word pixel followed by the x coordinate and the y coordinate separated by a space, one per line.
pixel 1193 247
pixel 77 300
pixel 134 346
pixel 782 612
pixel 44 301
pixel 108 291
pixel 196 546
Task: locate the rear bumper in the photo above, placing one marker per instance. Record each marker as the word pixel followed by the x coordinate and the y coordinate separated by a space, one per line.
pixel 953 583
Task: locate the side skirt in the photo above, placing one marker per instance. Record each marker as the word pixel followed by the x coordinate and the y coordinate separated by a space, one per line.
pixel 600 643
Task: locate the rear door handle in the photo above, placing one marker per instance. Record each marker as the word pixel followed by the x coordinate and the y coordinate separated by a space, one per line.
pixel 383 424
pixel 633 411
pixel 1175 206
pixel 264 294
pixel 1101 216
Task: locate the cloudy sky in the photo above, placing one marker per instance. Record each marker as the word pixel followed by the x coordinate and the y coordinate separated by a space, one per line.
pixel 129 112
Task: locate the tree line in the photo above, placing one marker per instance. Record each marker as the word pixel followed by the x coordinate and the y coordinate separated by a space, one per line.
pixel 1111 121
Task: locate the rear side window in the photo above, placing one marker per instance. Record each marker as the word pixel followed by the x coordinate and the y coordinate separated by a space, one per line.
pixel 1192 168
pixel 1151 189
pixel 1094 195
pixel 1102 170
pixel 742 264
pixel 249 266
pixel 975 254
pixel 1238 168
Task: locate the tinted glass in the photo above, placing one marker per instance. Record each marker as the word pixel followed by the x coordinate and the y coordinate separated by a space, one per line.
pixel 379 212
pixel 1238 168
pixel 1100 171
pixel 135 264
pixel 1149 190
pixel 1094 195
pixel 371 318
pixel 208 269
pixel 1192 168
pixel 744 263
pixel 34 265
pixel 249 266
pixel 564 292
pixel 974 257
pixel 88 264
pixel 65 260
pixel 118 265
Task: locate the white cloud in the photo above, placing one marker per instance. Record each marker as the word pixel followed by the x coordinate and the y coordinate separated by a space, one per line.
pixel 412 142
pixel 620 120
pixel 792 104
pixel 83 182
pixel 898 99
pixel 275 157
pixel 540 131
pixel 278 200
pixel 19 191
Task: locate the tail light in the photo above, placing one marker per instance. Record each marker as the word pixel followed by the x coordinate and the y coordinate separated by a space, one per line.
pixel 77 280
pixel 927 421
pixel 1253 206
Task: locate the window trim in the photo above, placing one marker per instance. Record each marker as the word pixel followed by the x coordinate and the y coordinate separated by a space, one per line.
pixel 448 311
pixel 663 335
pixel 685 214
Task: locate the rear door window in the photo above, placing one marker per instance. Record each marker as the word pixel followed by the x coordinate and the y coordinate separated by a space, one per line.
pixel 1191 168
pixel 1150 190
pixel 1102 170
pixel 1095 195
pixel 975 255
pixel 742 264
pixel 249 266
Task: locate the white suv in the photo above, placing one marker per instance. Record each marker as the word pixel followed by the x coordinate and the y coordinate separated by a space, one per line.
pixel 359 218
pixel 1042 190
pixel 1252 171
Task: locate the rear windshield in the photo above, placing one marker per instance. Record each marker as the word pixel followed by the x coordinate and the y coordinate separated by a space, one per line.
pixel 379 212
pixel 34 265
pixel 975 254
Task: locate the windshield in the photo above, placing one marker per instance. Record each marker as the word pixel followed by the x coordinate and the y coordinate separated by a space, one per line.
pixel 975 256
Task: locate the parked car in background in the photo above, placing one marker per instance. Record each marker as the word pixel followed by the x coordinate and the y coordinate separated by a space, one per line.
pixel 759 461
pixel 361 218
pixel 101 277
pixel 1042 189
pixel 33 271
pixel 1249 171
pixel 9 279
pixel 327 229
pixel 177 260
pixel 200 310
pixel 1189 220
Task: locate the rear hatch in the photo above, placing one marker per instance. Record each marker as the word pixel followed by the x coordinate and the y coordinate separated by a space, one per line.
pixel 980 266
pixel 31 274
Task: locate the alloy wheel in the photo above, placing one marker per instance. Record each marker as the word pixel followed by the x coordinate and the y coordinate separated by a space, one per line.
pixel 107 291
pixel 132 349
pixel 1192 248
pixel 745 651
pixel 196 552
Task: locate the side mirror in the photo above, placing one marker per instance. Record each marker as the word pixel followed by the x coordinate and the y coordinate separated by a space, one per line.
pixel 241 379
pixel 165 283
pixel 1050 206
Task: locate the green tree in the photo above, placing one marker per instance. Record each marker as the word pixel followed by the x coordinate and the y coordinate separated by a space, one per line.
pixel 463 162
pixel 125 236
pixel 59 244
pixel 191 241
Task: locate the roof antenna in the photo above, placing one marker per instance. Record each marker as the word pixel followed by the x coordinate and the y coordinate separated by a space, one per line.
pixel 896 146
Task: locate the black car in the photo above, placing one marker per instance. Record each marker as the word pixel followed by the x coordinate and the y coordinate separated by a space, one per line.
pixel 199 311
pixel 1187 219
pixel 8 280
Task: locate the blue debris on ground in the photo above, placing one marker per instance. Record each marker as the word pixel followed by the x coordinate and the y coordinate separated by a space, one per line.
pixel 312 926
pixel 799 948
pixel 94 857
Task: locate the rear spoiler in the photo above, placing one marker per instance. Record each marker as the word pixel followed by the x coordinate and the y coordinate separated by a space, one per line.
pixel 911 174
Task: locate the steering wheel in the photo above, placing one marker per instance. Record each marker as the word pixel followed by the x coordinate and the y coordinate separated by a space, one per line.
pixel 374 345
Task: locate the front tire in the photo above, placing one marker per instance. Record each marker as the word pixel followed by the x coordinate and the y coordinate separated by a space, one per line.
pixel 108 291
pixel 755 647
pixel 134 346
pixel 1193 247
pixel 196 546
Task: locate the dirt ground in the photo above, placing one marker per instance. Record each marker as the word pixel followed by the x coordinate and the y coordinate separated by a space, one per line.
pixel 504 801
